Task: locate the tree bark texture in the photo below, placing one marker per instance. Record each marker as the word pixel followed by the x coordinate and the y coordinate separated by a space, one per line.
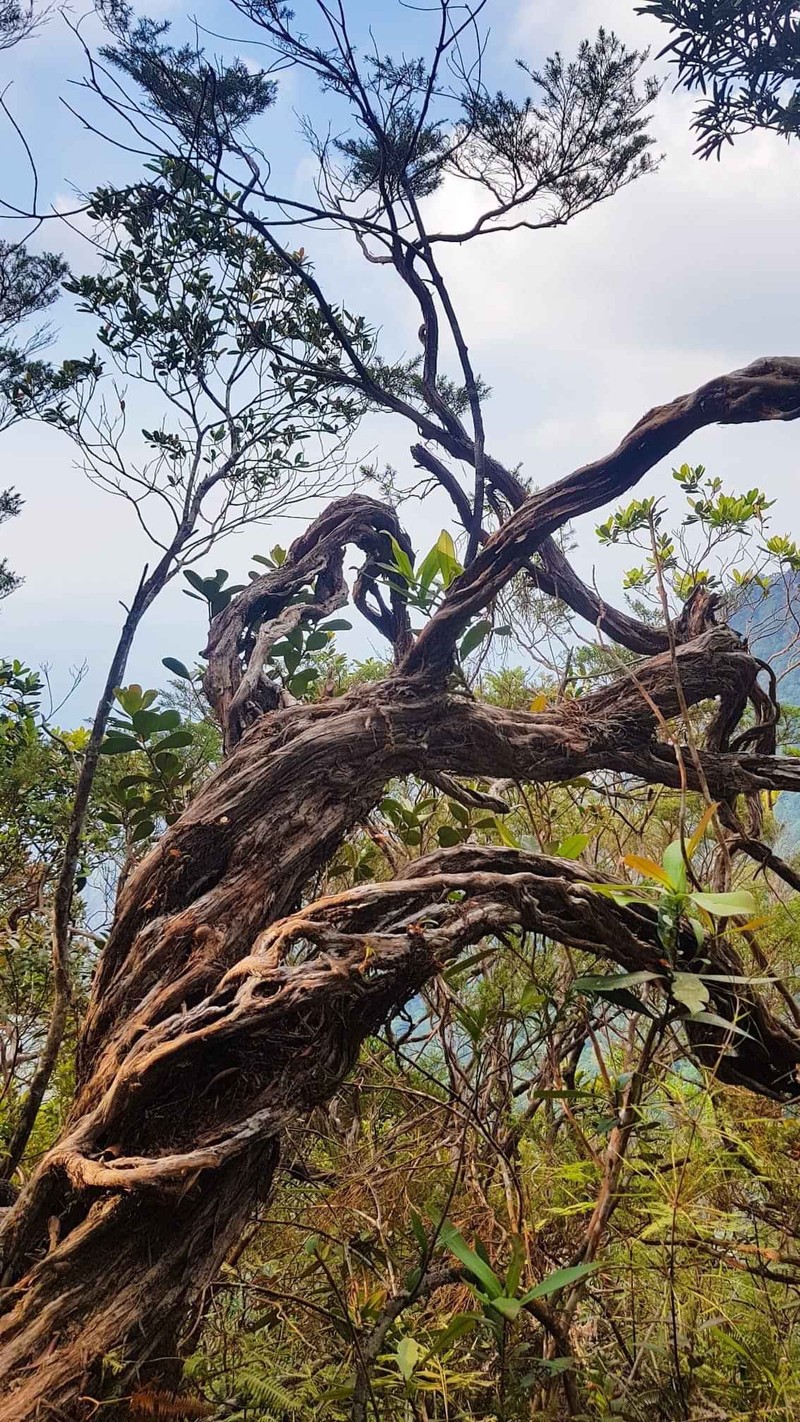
pixel 225 1007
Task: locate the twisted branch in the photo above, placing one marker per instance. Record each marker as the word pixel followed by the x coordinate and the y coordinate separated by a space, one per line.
pixel 265 610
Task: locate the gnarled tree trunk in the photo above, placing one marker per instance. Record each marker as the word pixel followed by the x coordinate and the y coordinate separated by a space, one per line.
pixel 223 1009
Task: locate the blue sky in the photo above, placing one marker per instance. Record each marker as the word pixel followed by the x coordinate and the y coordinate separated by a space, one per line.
pixel 687 274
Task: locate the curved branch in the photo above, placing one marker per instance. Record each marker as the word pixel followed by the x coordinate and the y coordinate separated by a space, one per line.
pixel 197 902
pixel 264 610
pixel 553 574
pixel 317 983
pixel 769 389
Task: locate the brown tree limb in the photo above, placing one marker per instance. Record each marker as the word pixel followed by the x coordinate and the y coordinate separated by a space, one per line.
pixel 290 1018
pixel 218 1012
pixel 552 574
pixel 768 389
pixel 264 610
pixel 327 764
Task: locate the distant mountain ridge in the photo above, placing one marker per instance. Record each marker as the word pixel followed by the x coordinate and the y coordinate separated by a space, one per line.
pixel 771 623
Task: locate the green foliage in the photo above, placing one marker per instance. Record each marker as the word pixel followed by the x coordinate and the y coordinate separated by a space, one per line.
pixel 159 774
pixel 425 587
pixel 211 590
pixel 712 547
pixel 705 1182
pixel 536 141
pixel 206 100
pixel 217 322
pixel 785 549
pixel 621 1227
pixel 742 58
pixel 10 505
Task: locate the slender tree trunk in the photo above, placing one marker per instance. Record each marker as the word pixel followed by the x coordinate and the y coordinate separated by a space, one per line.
pixel 148 589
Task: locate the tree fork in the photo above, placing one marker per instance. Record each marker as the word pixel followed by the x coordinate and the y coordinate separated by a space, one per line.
pixel 194 1057
pixel 200 1044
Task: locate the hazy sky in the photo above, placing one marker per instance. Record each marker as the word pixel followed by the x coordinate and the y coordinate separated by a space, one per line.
pixel 687 274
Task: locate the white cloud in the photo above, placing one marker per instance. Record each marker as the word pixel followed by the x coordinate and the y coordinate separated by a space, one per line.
pixel 685 275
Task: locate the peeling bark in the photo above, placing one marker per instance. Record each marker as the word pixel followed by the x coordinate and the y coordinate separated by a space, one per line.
pixel 224 1009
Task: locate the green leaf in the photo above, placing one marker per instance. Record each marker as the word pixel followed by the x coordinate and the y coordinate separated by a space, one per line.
pixel 516 1265
pixel 667 920
pixel 445 545
pixel 128 781
pixel 455 1242
pixel 338 625
pixel 622 893
pixel 606 982
pixel 561 1279
pixel 420 1233
pixel 608 987
pixel 689 990
pixel 300 683
pixel 734 978
pixel 737 901
pixel 393 809
pixel 198 583
pixel 573 846
pixel 146 722
pixel 130 698
pixel 117 744
pixel 408 1354
pixel 402 561
pixel 428 568
pixel 177 668
pixel 715 1020
pixel 473 638
pixel 169 720
pixel 175 741
pixel 448 836
pixel 509 1308
pixel 532 996
pixel 143 812
pixel 458 1325
pixel 449 566
pixel 167 763
pixel 675 866
pixel 505 836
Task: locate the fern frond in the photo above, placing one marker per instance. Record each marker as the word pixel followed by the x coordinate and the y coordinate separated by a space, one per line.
pixel 161 1406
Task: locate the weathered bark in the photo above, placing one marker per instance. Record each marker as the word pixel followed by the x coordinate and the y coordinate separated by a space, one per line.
pixel 144 1235
pixel 221 1011
pixel 201 1043
pixel 315 559
pixel 768 389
